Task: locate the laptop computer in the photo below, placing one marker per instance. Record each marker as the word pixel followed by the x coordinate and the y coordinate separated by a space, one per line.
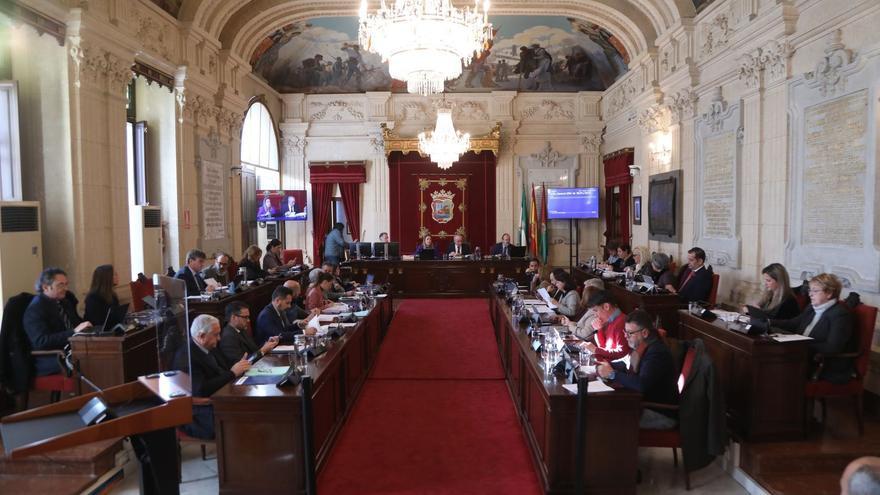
pixel 426 254
pixel 369 279
pixel 517 251
pixel 115 316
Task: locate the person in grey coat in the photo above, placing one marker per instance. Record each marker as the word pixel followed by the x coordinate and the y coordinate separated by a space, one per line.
pixel 334 245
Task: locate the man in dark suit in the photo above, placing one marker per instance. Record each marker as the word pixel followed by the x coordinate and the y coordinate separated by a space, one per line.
pixel 651 370
pixel 829 324
pixel 218 270
pixel 503 247
pixel 273 320
pixel 236 340
pixel 209 371
pixel 190 273
pixel 297 305
pixel 458 247
pixel 695 281
pixel 51 318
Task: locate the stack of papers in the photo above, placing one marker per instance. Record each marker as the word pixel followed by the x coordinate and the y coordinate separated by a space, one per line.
pixel 546 297
pixel 542 309
pixel 593 387
pixel 283 349
pixel 337 308
pixel 789 337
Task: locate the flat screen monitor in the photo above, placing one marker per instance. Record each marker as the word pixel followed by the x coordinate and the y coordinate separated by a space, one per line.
pixel 364 248
pixel 517 251
pixel 572 202
pixel 282 206
pixel 394 250
pixel 426 254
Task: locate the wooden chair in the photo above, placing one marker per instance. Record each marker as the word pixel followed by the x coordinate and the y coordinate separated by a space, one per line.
pixel 231 269
pixel 140 288
pixel 864 317
pixel 670 438
pixel 713 294
pixel 183 438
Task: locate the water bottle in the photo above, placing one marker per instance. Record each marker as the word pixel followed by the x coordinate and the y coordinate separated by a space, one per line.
pixel 243 273
pixel 477 253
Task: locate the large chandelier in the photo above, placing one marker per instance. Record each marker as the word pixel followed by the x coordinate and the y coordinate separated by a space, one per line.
pixel 445 144
pixel 425 42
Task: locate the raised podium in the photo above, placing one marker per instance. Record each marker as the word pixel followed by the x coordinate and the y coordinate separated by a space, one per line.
pixel 147 410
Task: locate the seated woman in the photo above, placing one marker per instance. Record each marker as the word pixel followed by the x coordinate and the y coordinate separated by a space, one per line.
pixel 272 261
pixel 582 328
pixel 566 292
pixel 642 257
pixel 778 300
pixel 101 297
pixel 625 258
pixel 829 324
pixel 658 270
pixel 251 263
pixel 315 298
pixel 427 243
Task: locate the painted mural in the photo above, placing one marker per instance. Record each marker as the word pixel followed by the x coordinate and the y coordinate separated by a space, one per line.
pixel 528 53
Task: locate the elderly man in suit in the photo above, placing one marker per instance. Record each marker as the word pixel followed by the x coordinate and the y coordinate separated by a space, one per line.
pixel 503 247
pixel 191 272
pixel 50 319
pixel 458 247
pixel 236 340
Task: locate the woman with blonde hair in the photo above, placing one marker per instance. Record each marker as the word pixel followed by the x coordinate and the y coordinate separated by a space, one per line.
pixel 251 262
pixel 778 300
pixel 642 257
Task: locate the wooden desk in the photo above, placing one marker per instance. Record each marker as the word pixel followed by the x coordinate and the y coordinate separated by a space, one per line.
pixel 113 360
pixel 438 278
pixel 664 306
pixel 763 380
pixel 256 299
pixel 547 413
pixel 259 427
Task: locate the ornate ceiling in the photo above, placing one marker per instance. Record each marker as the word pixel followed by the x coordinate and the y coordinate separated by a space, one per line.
pixel 631 27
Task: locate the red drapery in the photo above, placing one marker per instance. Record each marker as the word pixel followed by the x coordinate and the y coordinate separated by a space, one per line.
pixel 617 175
pixel 323 177
pixel 408 217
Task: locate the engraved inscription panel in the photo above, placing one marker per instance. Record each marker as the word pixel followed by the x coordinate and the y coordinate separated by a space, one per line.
pixel 213 208
pixel 719 185
pixel 833 203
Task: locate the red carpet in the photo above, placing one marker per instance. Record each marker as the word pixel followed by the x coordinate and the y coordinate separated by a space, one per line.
pixel 439 419
pixel 440 339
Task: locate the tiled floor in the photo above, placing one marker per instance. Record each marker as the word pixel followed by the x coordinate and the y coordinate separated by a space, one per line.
pixel 658 477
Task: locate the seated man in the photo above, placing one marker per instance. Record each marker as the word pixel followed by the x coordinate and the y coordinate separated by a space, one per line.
pixel 190 273
pixel 458 247
pixel 609 342
pixel 502 248
pixel 336 289
pixel 384 237
pixel 235 339
pixel 209 370
pixel 651 371
pixel 218 270
pixel 695 281
pixel 272 320
pixel 50 319
pixel 531 277
pixel 296 311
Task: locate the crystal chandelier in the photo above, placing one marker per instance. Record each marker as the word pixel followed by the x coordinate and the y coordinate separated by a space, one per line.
pixel 445 144
pixel 425 42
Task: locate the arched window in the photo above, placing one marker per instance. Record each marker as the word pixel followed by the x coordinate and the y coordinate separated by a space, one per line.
pixel 259 147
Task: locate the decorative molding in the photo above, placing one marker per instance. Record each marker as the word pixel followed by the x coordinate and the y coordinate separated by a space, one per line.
pixel 750 68
pixel 470 110
pixel 101 66
pixel 153 74
pixel 393 142
pixel 294 144
pixel 41 23
pixel 591 143
pixel 336 110
pixel 716 35
pixel 76 55
pixel 413 110
pixel 682 105
pixel 770 62
pixel 153 35
pixel 654 118
pixel 549 110
pixel 201 110
pixel 230 122
pixel 180 98
pixel 828 76
pixel 213 142
pixel 620 98
pixel 548 157
pixel 715 114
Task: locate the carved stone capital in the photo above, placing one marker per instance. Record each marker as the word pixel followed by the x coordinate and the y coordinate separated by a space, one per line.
pixel 591 143
pixel 101 68
pixel 750 69
pixel 682 105
pixel 714 115
pixel 293 144
pixel 829 76
pixel 654 118
pixel 766 64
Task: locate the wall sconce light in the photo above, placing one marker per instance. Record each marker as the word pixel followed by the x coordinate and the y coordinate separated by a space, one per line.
pixel 661 150
pixel 634 170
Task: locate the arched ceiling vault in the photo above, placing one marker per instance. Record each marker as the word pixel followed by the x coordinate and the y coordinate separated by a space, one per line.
pixel 241 24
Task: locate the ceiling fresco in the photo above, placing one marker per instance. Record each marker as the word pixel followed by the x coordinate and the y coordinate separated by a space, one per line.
pixel 528 53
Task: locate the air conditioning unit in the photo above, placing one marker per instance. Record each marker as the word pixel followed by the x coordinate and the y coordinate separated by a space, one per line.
pixel 146 241
pixel 21 247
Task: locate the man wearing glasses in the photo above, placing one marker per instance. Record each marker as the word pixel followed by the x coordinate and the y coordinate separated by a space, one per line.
pixel 651 371
pixel 218 271
pixel 236 340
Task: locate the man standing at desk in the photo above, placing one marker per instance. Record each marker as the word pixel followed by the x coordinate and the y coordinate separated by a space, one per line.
pixel 696 279
pixel 236 340
pixel 190 273
pixel 210 371
pixel 502 248
pixel 334 244
pixel 458 248
pixel 50 319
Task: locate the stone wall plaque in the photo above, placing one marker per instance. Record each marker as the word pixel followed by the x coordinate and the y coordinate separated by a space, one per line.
pixel 833 175
pixel 213 197
pixel 718 139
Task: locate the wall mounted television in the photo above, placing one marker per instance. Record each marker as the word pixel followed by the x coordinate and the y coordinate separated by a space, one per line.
pixel 572 202
pixel 282 206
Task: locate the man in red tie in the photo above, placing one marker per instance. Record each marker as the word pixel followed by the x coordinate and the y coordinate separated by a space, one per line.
pixel 695 281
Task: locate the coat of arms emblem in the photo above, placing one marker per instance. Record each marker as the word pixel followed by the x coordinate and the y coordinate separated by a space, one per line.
pixel 442 207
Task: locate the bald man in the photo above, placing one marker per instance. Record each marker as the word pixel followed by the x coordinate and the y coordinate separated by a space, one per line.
pixel 861 477
pixel 296 311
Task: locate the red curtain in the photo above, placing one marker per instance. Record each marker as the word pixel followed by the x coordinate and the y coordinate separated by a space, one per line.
pixel 323 177
pixel 351 201
pixel 617 175
pixel 405 204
